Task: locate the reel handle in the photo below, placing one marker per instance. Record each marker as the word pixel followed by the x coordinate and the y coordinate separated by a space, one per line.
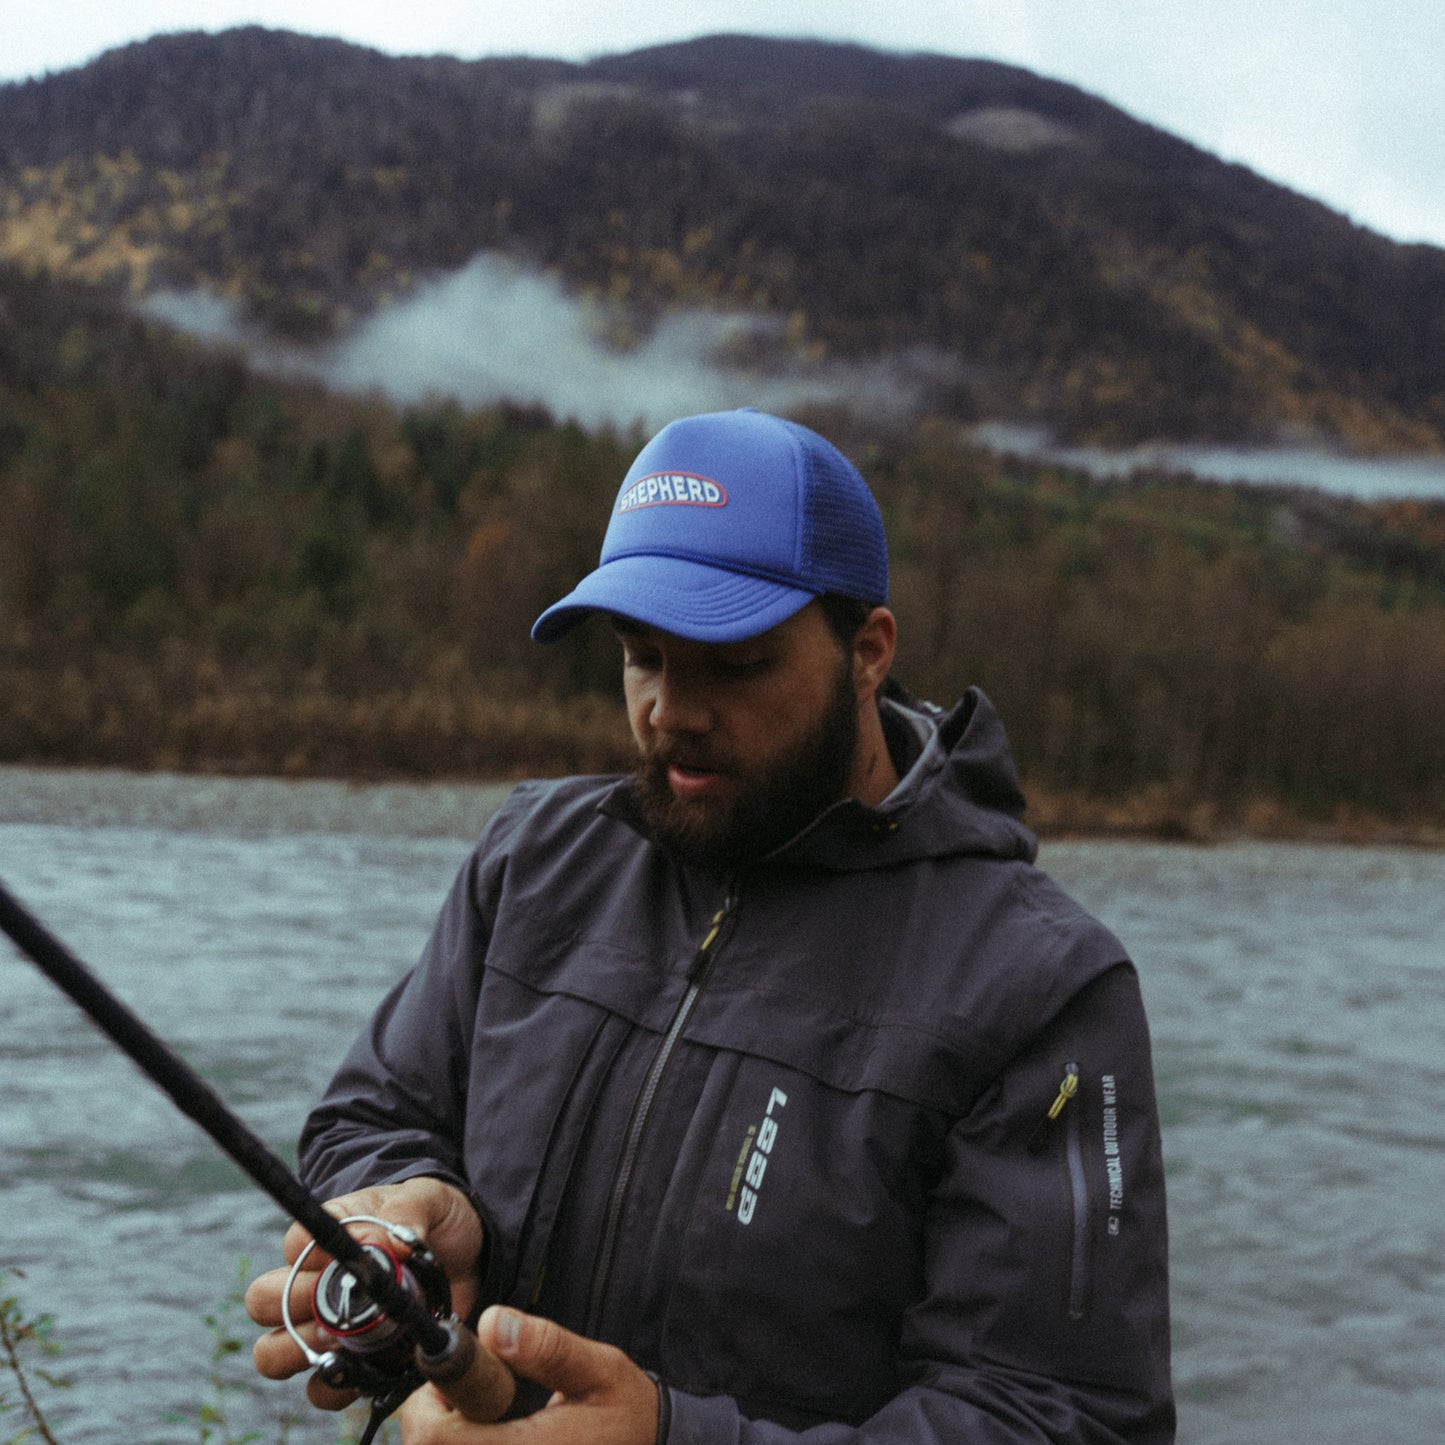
pixel 473 1380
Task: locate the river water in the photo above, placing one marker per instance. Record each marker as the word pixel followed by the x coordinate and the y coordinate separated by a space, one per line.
pixel 1296 995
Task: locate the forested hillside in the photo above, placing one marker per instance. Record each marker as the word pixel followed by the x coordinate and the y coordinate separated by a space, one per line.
pixel 1048 257
pixel 204 569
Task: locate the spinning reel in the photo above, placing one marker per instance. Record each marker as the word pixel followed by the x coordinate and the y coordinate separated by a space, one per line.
pixel 368 1351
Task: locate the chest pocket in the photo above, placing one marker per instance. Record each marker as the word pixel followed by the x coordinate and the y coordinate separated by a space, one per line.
pixel 811 1156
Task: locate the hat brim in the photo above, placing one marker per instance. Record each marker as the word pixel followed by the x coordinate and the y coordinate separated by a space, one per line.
pixel 687 599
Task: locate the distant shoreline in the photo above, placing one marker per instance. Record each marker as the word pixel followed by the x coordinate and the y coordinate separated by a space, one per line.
pixel 457 806
pixel 1207 822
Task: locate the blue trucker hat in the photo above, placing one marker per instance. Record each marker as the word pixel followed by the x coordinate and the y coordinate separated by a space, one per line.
pixel 726 525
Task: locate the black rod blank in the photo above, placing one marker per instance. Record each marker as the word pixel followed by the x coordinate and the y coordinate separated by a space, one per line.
pixel 196 1099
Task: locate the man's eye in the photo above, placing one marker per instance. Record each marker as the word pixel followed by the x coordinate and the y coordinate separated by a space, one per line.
pixel 744 666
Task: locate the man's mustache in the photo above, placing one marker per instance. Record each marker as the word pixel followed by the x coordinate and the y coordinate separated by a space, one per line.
pixel 699 758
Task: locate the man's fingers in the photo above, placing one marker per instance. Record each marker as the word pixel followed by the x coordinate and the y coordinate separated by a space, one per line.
pixel 439 1212
pixel 427 1419
pixel 542 1350
pixel 436 1212
pixel 263 1296
pixel 379 1202
pixel 278 1356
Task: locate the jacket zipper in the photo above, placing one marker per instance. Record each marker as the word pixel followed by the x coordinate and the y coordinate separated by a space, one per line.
pixel 697 976
pixel 1078 1183
pixel 1078 1198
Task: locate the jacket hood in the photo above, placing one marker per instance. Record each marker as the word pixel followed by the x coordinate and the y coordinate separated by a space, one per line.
pixel 959 795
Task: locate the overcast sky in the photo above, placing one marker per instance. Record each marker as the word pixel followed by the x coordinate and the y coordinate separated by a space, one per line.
pixel 1340 99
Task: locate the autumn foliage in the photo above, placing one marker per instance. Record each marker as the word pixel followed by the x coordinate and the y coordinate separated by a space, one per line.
pixel 203 569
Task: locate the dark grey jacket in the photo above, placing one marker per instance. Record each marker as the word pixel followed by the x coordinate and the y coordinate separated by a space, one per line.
pixel 786 1138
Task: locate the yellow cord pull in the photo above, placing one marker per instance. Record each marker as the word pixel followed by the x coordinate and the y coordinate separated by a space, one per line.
pixel 1067 1089
pixel 718 919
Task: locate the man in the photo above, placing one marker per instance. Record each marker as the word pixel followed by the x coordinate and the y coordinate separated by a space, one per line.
pixel 772 1090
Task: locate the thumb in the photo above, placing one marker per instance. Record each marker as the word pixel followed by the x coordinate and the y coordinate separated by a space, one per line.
pixel 567 1364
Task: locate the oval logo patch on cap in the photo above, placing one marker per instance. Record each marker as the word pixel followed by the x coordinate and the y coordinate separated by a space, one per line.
pixel 672 489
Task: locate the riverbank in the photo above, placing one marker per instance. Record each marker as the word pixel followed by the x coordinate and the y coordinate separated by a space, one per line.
pixel 457 806
pixel 1158 817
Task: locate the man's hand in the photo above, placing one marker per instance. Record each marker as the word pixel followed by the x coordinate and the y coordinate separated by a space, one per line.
pixel 440 1213
pixel 599 1396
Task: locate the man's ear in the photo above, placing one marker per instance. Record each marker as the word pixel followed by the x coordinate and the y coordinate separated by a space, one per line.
pixel 873 652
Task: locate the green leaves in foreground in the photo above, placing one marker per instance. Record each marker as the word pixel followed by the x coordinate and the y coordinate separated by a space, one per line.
pixel 26 1341
pixel 23 1339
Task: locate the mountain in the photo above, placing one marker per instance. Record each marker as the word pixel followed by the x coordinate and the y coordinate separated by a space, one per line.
pixel 1040 254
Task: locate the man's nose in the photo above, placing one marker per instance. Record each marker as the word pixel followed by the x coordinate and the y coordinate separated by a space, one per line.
pixel 679 705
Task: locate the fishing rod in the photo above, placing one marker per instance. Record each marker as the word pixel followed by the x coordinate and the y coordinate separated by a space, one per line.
pixel 389 1321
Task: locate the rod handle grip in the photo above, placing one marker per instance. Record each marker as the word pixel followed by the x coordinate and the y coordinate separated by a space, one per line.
pixel 474 1381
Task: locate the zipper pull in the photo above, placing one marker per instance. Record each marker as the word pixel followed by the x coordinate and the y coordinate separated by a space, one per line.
pixel 1068 1087
pixel 720 922
pixel 718 919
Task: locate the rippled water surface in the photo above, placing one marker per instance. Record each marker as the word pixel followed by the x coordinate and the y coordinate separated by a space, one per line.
pixel 1297 996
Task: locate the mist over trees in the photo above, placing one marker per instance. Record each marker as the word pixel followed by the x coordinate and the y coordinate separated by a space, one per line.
pixel 1076 267
pixel 201 568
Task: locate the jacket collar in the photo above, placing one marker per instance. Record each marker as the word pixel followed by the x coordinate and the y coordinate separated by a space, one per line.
pixel 958 794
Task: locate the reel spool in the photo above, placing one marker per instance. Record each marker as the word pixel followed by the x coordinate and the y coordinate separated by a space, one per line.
pixel 369 1352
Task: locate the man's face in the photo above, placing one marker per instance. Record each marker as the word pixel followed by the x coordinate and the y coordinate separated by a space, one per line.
pixel 742 744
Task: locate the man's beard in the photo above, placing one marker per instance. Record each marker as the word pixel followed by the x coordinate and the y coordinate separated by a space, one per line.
pixel 771 806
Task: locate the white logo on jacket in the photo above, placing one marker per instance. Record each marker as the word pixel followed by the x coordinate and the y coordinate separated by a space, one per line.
pixel 752 1164
pixel 1113 1163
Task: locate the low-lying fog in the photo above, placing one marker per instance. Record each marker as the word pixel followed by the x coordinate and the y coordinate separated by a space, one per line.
pixel 1370 478
pixel 495 331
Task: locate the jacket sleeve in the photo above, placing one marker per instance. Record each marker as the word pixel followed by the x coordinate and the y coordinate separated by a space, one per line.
pixel 396 1106
pixel 1044 1316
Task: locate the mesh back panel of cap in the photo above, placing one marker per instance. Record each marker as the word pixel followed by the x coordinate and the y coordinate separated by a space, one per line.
pixel 843 546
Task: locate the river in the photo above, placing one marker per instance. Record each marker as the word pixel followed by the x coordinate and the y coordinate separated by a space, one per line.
pixel 1296 995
